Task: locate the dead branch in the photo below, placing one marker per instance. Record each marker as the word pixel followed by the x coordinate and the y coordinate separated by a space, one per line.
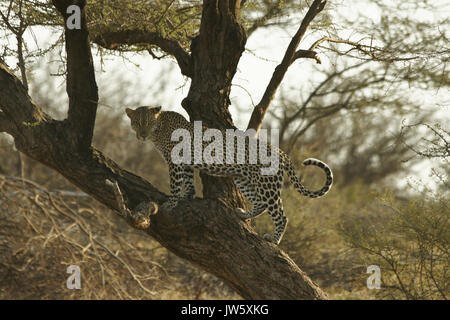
pixel 140 217
pixel 261 108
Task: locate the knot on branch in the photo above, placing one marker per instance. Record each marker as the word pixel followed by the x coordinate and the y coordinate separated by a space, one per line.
pixel 138 218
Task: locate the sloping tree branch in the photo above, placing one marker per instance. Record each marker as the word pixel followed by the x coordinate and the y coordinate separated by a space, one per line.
pixel 261 108
pixel 368 52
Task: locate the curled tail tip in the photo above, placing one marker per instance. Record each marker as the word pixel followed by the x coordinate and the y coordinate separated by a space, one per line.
pixel 328 172
pixel 313 161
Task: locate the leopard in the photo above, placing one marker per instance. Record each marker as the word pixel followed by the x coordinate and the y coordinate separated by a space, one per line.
pixel 263 191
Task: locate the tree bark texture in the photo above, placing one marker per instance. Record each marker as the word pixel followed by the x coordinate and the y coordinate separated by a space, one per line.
pixel 215 54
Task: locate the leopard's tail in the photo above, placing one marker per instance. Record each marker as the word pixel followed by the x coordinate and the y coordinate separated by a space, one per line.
pixel 298 185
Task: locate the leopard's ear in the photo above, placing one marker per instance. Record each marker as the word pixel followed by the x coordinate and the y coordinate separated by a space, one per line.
pixel 129 112
pixel 158 111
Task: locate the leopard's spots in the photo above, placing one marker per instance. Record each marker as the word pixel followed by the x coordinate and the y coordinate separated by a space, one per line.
pixel 263 191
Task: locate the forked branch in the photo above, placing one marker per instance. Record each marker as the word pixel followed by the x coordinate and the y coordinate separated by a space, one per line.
pixel 261 108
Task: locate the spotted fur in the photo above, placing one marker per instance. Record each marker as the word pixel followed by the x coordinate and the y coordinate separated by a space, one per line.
pixel 262 191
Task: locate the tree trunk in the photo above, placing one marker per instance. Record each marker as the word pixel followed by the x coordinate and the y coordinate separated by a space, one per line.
pixel 215 54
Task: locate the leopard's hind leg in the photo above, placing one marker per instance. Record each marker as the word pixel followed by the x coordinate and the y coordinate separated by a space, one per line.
pixel 188 183
pixel 272 196
pixel 246 188
pixel 277 214
pixel 176 173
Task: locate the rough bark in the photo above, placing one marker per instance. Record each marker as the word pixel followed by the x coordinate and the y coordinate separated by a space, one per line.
pixel 206 231
pixel 81 86
pixel 215 54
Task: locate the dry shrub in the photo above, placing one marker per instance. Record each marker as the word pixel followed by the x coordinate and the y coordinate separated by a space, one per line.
pixel 42 233
pixel 408 240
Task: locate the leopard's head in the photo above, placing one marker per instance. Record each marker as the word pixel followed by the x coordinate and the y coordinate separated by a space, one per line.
pixel 144 121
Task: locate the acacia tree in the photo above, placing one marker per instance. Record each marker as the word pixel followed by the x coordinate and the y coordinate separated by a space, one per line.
pixel 199 229
pixel 207 41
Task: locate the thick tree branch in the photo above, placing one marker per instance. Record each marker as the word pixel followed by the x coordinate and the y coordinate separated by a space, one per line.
pixel 81 85
pixel 261 108
pixel 220 27
pixel 114 39
pixel 16 120
pixel 196 230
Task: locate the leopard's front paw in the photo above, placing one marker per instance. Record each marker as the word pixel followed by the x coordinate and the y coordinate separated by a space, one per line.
pixel 142 212
pixel 242 214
